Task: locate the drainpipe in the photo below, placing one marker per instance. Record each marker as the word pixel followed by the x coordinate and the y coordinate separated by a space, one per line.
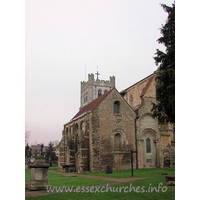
pixel 137 116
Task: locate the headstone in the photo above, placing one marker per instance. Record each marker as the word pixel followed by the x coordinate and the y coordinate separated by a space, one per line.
pixel 171 183
pixel 159 173
pixel 170 178
pixel 39 175
pixel 65 168
pixel 108 169
pixel 164 173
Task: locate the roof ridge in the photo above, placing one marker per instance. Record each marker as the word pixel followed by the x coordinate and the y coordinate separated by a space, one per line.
pixel 92 105
pixel 139 81
pixel 147 86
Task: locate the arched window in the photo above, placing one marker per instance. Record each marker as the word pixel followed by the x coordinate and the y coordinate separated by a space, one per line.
pixel 117 142
pixel 105 91
pixel 99 93
pixel 116 106
pixel 148 145
pixel 132 102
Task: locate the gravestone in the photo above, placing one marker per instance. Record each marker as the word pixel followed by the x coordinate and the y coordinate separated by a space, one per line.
pixel 170 180
pixel 159 173
pixel 65 168
pixel 108 169
pixel 39 175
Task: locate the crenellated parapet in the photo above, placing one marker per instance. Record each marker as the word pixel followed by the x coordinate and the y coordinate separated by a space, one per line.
pixel 94 88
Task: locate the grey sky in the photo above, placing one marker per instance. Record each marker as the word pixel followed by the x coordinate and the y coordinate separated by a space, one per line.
pixel 62 36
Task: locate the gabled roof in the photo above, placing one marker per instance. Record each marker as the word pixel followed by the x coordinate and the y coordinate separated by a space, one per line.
pixel 144 91
pixel 136 83
pixel 91 106
pixel 146 86
pixel 36 148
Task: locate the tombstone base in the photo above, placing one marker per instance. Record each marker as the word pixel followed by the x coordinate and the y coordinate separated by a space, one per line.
pixel 39 175
pixel 171 183
pixel 36 185
pixel 109 169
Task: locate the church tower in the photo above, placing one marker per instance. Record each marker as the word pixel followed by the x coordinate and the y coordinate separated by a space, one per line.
pixel 93 89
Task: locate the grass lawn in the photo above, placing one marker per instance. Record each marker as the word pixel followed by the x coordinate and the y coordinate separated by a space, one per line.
pixel 136 173
pixel 60 180
pixel 137 195
pixel 54 167
pixel 144 186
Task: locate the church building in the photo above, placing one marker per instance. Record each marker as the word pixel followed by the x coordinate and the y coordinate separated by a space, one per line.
pixel 155 141
pixel 110 124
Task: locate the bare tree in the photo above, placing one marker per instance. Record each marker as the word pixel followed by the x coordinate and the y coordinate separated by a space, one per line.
pixel 27 135
pixel 55 142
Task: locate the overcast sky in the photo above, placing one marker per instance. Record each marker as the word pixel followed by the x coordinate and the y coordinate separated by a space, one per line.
pixel 64 36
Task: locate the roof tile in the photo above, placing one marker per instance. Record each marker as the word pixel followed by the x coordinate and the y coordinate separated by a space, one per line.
pixel 146 86
pixel 91 106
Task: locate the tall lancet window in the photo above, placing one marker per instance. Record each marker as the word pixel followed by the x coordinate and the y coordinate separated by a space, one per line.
pixel 148 145
pixel 131 101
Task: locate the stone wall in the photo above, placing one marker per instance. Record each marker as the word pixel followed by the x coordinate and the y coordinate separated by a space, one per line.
pixel 90 141
pixel 135 91
pixel 106 124
pixel 74 145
